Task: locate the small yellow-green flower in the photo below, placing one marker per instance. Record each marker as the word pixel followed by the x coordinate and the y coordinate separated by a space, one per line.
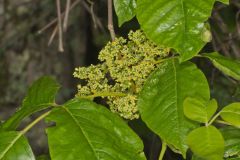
pixel 125 65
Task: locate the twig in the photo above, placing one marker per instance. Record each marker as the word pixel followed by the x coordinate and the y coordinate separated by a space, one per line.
pixel 60 38
pixel 222 46
pixel 91 11
pixel 74 4
pixel 53 35
pixel 110 20
pixel 65 23
pixel 95 19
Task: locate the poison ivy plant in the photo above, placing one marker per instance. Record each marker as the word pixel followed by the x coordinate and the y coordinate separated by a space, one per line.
pixel 91 131
pixel 137 78
pixel 84 130
pixel 161 100
pixel 178 24
pixel 209 136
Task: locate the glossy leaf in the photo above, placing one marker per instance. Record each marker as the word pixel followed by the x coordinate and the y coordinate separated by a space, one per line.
pixel 207 143
pixel 161 100
pixel 40 96
pixel 228 66
pixel 231 114
pixel 231 136
pixel 86 130
pixel 199 110
pixel 14 146
pixel 177 24
pixel 125 10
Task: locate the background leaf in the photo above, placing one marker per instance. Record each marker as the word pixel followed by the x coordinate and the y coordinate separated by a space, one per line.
pixel 228 66
pixel 231 136
pixel 175 23
pixel 231 114
pixel 14 146
pixel 40 96
pixel 206 142
pixel 125 10
pixel 85 130
pixel 199 110
pixel 161 100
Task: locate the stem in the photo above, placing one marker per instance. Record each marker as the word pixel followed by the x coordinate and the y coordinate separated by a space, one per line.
pixel 164 148
pixel 53 35
pixel 56 19
pixel 110 20
pixel 165 59
pixel 214 118
pixel 222 122
pixel 200 56
pixel 60 38
pixel 104 94
pixel 67 10
pixel 27 128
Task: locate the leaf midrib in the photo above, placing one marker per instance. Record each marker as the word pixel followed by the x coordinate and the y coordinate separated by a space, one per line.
pixel 79 126
pixel 175 86
pixel 10 145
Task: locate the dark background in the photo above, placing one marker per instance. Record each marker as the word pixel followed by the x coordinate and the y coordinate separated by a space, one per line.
pixel 26 56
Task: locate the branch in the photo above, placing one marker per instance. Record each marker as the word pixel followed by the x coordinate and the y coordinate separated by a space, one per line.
pixel 67 10
pixel 110 20
pixel 60 38
pixel 74 4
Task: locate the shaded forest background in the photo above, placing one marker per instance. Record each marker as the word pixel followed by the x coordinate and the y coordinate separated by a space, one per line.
pixel 25 53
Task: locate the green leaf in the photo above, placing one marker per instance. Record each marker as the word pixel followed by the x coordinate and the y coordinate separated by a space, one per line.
pixel 231 114
pixel 86 130
pixel 177 24
pixel 231 136
pixel 40 96
pixel 227 65
pixel 161 100
pixel 199 110
pixel 125 10
pixel 207 143
pixel 194 157
pixel 13 146
pixel 43 157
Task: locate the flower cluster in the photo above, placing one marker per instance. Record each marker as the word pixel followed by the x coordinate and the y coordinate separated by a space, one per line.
pixel 125 65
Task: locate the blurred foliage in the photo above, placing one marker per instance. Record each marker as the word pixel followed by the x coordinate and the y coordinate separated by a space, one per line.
pixel 225 28
pixel 25 54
